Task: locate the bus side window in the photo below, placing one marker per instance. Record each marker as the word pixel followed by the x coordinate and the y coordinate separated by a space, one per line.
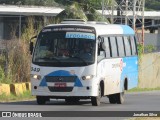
pixel 106 47
pixel 113 46
pixel 101 54
pixel 120 46
pixel 127 46
pixel 133 44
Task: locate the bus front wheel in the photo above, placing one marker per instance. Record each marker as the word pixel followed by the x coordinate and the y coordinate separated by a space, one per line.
pixel 112 99
pixel 96 100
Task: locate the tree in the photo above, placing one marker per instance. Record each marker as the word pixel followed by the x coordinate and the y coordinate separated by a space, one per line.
pixel 73 11
pixel 30 2
pixel 96 4
pixel 80 11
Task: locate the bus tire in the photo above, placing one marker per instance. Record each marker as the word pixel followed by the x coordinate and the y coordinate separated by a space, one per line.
pixel 97 100
pixel 41 100
pixel 112 99
pixel 120 98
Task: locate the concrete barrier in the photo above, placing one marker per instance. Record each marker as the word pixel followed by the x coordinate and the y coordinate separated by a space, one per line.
pixel 5 89
pixel 28 86
pixel 16 88
pixel 149 71
pixel 24 88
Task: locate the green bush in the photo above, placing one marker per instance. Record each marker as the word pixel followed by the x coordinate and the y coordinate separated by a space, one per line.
pixel 18 61
pixel 149 48
pixel 140 48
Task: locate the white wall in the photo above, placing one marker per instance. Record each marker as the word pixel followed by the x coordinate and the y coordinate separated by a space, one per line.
pixel 149 71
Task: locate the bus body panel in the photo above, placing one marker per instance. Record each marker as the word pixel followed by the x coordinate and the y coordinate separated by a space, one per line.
pixel 115 71
pixel 79 86
pixel 131 71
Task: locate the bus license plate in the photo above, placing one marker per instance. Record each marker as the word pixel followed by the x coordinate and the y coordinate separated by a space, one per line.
pixel 60 85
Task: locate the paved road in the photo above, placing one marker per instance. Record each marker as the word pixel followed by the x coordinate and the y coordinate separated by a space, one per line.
pixel 143 101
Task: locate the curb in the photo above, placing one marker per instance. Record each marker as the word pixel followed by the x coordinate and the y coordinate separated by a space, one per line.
pixel 28 86
pixel 5 89
pixel 15 88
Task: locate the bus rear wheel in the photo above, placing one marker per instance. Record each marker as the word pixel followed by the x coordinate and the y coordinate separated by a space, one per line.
pixel 112 99
pixel 41 100
pixel 116 98
pixel 120 98
pixel 96 100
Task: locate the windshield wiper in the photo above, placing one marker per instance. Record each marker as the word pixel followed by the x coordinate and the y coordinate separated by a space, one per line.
pixel 79 58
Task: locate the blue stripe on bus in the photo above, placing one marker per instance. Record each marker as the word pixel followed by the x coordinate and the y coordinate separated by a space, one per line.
pixel 130 71
pixel 43 83
pixel 127 30
pixel 62 73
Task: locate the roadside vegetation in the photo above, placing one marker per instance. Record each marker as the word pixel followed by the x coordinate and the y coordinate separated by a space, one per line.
pixel 25 96
pixel 15 58
pixel 142 89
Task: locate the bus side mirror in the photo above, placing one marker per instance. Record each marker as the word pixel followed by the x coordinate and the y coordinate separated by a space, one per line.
pixel 101 41
pixel 99 49
pixel 31 45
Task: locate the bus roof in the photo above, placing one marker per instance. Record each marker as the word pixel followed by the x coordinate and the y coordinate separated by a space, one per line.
pixel 103 28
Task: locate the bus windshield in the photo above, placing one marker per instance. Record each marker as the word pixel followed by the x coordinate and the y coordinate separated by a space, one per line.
pixel 64 49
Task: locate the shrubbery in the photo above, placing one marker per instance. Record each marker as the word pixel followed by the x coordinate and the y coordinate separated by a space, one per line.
pixel 15 61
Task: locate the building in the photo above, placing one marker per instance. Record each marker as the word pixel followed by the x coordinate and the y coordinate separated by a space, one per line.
pixel 14 17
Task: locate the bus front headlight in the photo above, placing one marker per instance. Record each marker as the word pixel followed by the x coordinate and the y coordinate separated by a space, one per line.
pixel 87 77
pixel 38 77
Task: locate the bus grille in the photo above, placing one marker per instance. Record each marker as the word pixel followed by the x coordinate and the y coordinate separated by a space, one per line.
pixel 57 89
pixel 60 78
pixel 57 79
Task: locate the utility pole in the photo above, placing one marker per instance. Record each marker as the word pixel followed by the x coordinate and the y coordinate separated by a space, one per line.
pixel 126 12
pixel 103 8
pixel 143 6
pixel 134 15
pixel 130 11
pixel 20 22
pixel 112 12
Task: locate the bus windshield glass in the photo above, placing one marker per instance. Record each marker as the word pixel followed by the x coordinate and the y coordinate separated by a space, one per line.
pixel 65 49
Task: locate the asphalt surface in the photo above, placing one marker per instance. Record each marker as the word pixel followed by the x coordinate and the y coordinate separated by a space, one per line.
pixel 142 101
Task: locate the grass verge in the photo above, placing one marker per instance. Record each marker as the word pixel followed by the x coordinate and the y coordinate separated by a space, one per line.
pixel 142 89
pixel 25 96
pixel 145 118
